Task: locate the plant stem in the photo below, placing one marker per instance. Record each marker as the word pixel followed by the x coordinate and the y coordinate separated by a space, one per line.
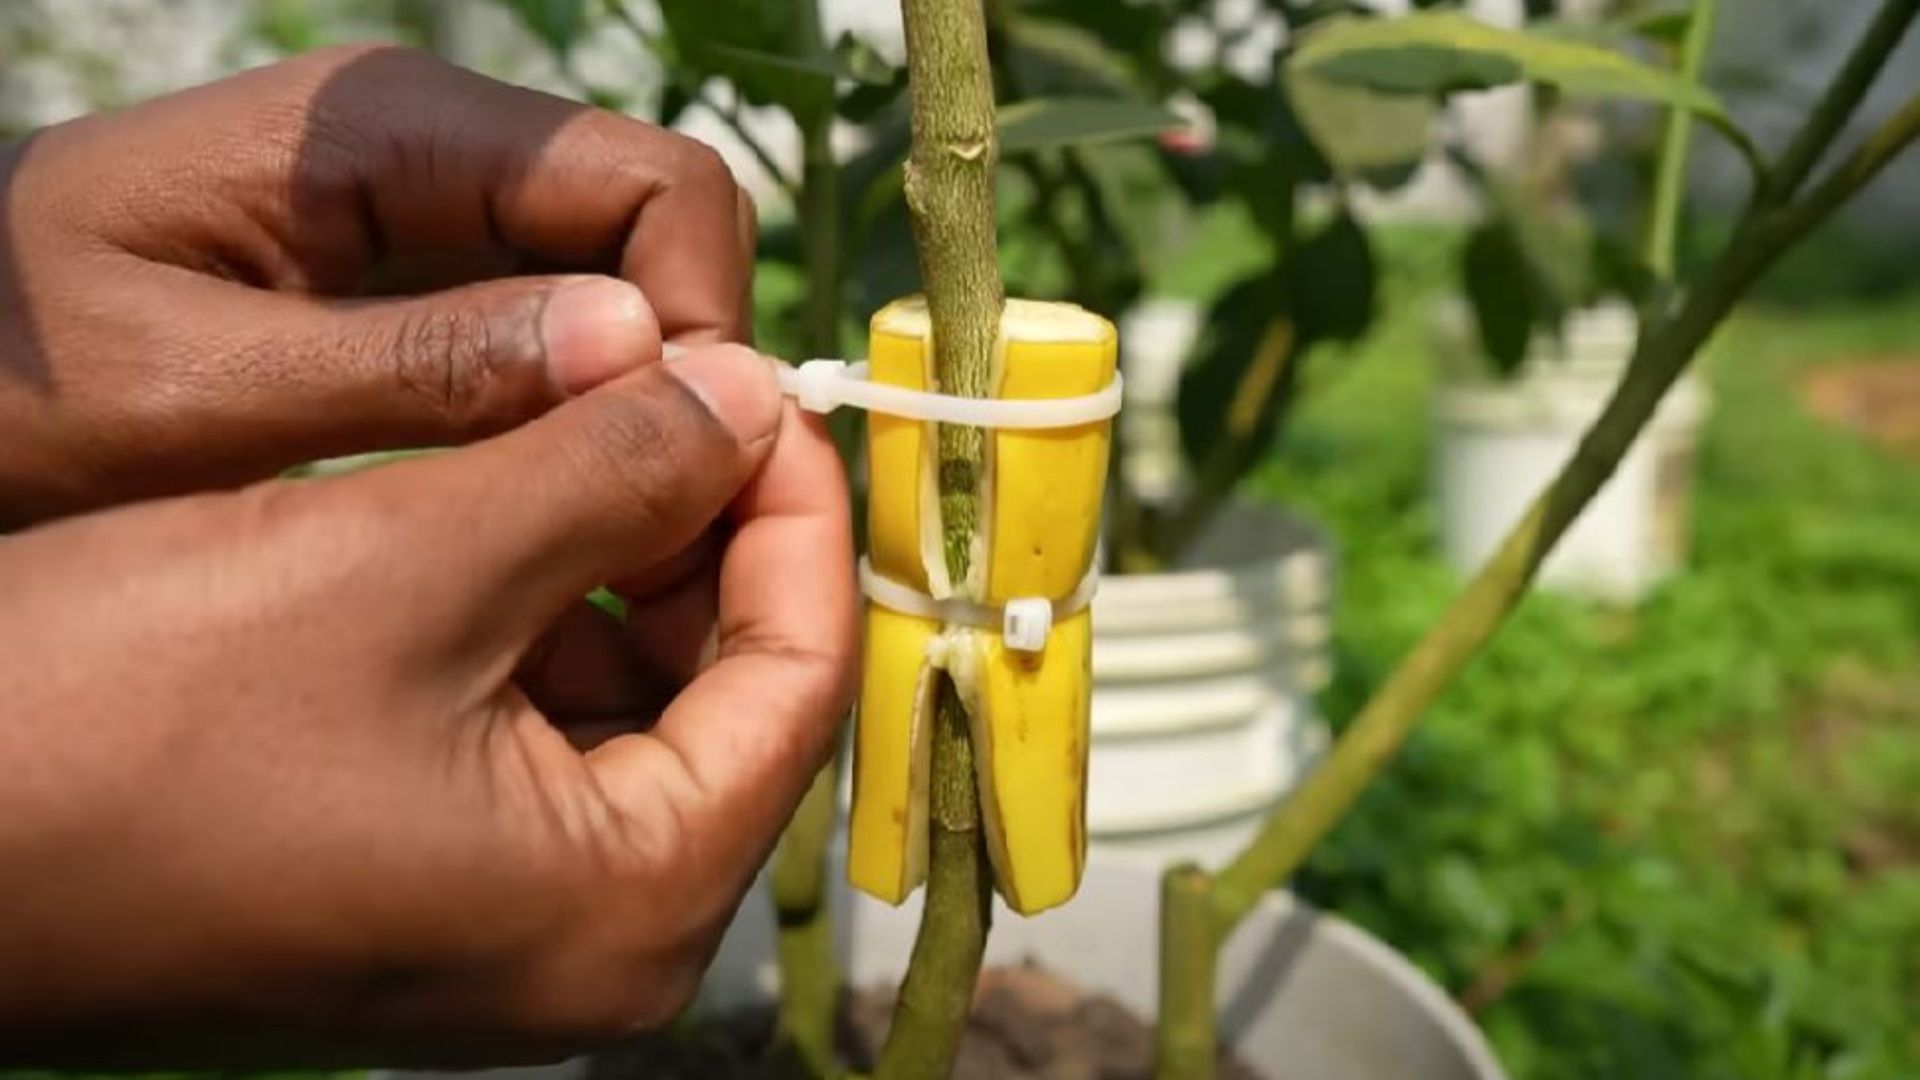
pixel 1676 142
pixel 931 1015
pixel 1868 160
pixel 819 207
pixel 1667 344
pixel 950 196
pixel 809 973
pixel 1324 797
pixel 1837 106
pixel 809 976
pixel 1186 1044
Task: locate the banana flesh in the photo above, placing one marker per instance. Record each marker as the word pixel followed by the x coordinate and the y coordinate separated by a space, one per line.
pixel 1028 712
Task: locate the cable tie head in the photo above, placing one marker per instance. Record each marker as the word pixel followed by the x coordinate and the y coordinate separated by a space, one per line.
pixel 1026 623
pixel 818 386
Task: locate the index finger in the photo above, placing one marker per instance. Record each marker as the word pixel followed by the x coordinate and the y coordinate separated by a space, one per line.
pixel 450 171
pixel 736 750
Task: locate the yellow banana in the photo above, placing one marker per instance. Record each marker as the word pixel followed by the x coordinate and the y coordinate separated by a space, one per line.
pixel 1029 712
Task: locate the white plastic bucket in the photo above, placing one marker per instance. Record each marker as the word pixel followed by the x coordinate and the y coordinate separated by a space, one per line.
pixel 1155 337
pixel 1202 689
pixel 1498 444
pixel 1301 993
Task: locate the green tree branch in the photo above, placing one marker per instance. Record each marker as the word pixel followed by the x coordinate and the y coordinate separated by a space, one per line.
pixel 1836 107
pixel 1668 341
pixel 803 944
pixel 1664 350
pixel 809 972
pixel 1187 1044
pixel 1676 142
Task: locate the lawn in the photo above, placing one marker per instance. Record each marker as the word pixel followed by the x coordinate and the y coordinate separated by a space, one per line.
pixel 1676 841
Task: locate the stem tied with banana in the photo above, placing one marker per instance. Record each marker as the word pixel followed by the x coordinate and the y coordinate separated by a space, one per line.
pixel 970 754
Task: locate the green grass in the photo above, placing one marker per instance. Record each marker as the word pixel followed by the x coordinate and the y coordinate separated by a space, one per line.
pixel 1677 841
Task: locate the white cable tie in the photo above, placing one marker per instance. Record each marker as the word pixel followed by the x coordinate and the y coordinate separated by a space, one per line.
pixel 1024 622
pixel 821 386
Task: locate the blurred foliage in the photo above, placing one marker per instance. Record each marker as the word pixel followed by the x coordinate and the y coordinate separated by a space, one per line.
pixel 1676 841
pixel 1117 139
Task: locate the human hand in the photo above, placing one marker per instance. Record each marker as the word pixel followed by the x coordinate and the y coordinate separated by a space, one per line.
pixel 214 286
pixel 345 770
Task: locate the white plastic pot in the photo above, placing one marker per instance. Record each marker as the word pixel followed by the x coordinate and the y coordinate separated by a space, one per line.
pixel 1301 993
pixel 1155 337
pixel 1499 442
pixel 1203 680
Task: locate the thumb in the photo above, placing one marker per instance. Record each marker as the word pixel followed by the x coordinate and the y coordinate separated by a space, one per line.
pixel 465 362
pixel 600 489
pixel 300 378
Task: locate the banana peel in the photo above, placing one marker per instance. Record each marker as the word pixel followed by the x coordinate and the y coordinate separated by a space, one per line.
pixel 1028 711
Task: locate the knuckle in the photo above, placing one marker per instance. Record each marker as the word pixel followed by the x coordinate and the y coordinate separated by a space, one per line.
pixel 395 61
pixel 696 165
pixel 377 67
pixel 443 357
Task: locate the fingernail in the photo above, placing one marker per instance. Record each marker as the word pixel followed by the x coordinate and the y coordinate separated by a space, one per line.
pixel 595 329
pixel 736 384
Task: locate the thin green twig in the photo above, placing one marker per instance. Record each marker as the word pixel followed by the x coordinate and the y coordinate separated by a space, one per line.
pixel 1665 348
pixel 1676 142
pixel 1830 115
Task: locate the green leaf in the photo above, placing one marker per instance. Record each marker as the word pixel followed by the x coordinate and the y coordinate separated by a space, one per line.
pixel 1261 130
pixel 1318 11
pixel 1331 283
pixel 1229 348
pixel 1531 265
pixel 613 99
pixel 289 26
pixel 851 59
pixel 1057 58
pixel 862 63
pixel 1363 134
pixel 1498 285
pixel 1049 122
pixel 752 44
pixel 1264 327
pixel 1137 32
pixel 674 100
pixel 1439 52
pixel 557 23
pixel 866 100
pixel 1664 27
pixel 610 602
